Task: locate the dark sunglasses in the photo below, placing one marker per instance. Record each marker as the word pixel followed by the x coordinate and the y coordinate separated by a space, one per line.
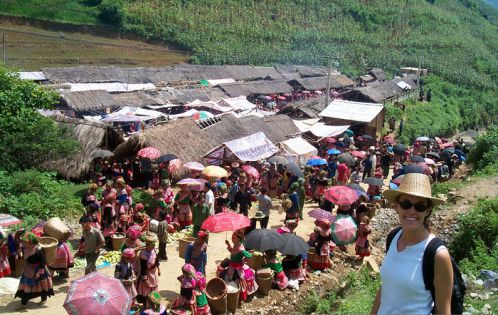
pixel 407 204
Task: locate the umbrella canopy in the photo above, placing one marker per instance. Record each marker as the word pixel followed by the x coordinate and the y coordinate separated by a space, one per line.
pixel 321 214
pixel 416 159
pixel 358 154
pixel 8 219
pixel 215 171
pixel 295 170
pixel 346 158
pixel 374 181
pixel 278 159
pixel 433 154
pixel 97 293
pixel 174 165
pixel 225 221
pixel 293 245
pixel 166 158
pixel 429 161
pixel 341 195
pixel 357 187
pixel 447 153
pixel 343 230
pixel 316 162
pixel 349 132
pixel 367 137
pixel 399 149
pixel 264 239
pixel 193 183
pixel 413 168
pixel 333 151
pixel 202 115
pixel 149 153
pixel 422 139
pixel 101 154
pixel 195 166
pixel 251 171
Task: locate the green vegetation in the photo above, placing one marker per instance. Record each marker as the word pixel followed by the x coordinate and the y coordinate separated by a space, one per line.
pixel 446 187
pixel 477 227
pixel 32 196
pixel 484 153
pixel 27 138
pixel 356 297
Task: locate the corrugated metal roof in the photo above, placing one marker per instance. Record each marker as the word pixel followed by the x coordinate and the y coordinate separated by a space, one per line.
pixel 352 111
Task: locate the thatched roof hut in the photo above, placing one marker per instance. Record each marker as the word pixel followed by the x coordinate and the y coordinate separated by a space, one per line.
pixel 320 83
pixel 182 137
pixel 256 88
pixel 309 108
pixel 96 100
pixel 378 74
pixel 227 129
pixel 91 136
pixel 137 99
pixel 375 92
pixel 277 128
pixel 175 73
pixel 304 71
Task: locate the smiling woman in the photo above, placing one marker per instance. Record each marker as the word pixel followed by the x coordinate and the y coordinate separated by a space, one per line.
pixel 403 290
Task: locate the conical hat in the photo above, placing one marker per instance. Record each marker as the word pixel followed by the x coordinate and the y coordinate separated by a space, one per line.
pixel 414 184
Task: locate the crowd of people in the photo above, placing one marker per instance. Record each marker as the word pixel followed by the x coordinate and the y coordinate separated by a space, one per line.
pixel 110 209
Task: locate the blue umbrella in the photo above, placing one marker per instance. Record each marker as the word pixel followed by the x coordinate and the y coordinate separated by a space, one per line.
pixel 393 186
pixel 316 162
pixel 333 151
pixel 349 132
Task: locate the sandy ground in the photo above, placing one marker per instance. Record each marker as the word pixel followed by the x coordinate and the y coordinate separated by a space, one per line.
pixel 170 270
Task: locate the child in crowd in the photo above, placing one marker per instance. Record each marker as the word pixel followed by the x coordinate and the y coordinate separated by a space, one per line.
pixel 64 260
pixel 186 300
pixel 124 272
pixel 153 305
pixel 362 245
pixel 4 255
pixel 280 280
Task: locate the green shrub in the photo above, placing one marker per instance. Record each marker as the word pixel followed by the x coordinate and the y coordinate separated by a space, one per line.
pixel 480 223
pixel 32 195
pixel 484 154
pixel 480 258
pixel 111 11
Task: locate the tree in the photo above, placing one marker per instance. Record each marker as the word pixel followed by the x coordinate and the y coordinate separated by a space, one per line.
pixel 26 137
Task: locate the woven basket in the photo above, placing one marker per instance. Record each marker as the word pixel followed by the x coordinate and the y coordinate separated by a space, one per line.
pixel 256 261
pixel 264 282
pixel 49 248
pixel 183 244
pixel 216 292
pixel 57 229
pixel 233 299
pixel 118 240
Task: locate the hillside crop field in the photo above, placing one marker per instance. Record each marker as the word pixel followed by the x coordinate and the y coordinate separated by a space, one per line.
pixel 30 48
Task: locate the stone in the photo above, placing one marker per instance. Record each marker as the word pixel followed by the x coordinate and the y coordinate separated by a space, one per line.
pixel 370 263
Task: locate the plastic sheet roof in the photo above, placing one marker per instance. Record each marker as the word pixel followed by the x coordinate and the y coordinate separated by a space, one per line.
pixel 352 111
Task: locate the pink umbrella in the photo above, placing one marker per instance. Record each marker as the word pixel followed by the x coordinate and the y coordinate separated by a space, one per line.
pixel 281 98
pixel 343 230
pixel 174 165
pixel 195 166
pixel 321 214
pixel 429 161
pixel 251 171
pixel 97 293
pixel 193 183
pixel 149 153
pixel 341 195
pixel 358 154
pixel 225 221
pixel 306 92
pixel 8 219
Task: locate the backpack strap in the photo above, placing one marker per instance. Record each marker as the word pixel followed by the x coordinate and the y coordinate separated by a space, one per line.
pixel 390 237
pixel 428 264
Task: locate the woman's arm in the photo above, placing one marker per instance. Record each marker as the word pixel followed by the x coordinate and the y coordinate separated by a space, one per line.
pixel 443 282
pixel 376 303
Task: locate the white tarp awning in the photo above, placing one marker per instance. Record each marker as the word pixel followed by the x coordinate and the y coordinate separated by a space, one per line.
pixel 111 87
pixel 321 130
pixel 404 85
pixel 220 81
pixel 32 76
pixel 137 111
pixel 238 103
pixel 253 112
pixel 212 105
pixel 299 146
pixel 189 113
pixel 305 124
pixel 251 148
pixel 352 111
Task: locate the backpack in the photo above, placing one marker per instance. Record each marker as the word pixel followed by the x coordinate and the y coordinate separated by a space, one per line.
pixel 459 288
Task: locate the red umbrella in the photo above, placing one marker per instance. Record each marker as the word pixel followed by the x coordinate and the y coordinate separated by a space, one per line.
pixel 97 293
pixel 281 98
pixel 331 140
pixel 149 153
pixel 341 195
pixel 251 171
pixel 7 220
pixel 225 221
pixel 321 214
pixel 358 154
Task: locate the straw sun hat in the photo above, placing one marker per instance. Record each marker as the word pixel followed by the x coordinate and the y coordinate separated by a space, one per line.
pixel 413 184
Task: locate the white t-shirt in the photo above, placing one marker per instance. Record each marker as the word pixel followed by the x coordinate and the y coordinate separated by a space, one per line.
pixel 209 200
pixel 403 289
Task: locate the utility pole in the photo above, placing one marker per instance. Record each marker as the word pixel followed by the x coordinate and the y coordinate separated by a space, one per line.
pixel 4 49
pixel 419 71
pixel 328 85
